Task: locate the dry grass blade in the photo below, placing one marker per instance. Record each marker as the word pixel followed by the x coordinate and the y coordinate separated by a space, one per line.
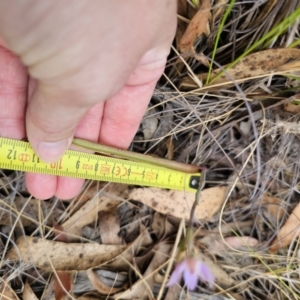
pixel 6 291
pixel 243 127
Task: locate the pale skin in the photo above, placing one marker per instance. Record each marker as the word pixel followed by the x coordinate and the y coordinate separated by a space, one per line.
pixel 78 68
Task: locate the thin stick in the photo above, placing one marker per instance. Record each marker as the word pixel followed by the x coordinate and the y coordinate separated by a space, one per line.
pixel 123 154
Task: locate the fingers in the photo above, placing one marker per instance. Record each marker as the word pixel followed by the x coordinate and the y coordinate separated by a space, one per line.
pixel 13 94
pixel 77 66
pixel 51 122
pixel 45 186
pixel 88 129
pixel 41 186
pixel 124 112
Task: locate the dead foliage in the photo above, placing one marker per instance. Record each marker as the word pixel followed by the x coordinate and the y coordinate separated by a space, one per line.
pixel 229 101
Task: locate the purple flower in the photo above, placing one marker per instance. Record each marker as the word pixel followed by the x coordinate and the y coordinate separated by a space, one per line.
pixel 192 270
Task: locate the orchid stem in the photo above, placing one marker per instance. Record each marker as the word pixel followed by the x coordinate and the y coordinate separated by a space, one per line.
pixel 190 231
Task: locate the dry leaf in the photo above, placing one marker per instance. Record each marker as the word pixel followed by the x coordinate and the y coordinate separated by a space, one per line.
pixel 292 106
pixel 87 214
pixel 197 26
pixel 166 121
pixel 236 242
pixel 110 279
pixel 173 292
pixel 182 6
pixel 149 124
pixel 64 257
pixel 101 287
pixel 254 65
pixel 178 203
pixel 28 293
pixel 273 205
pixel 161 226
pixel 223 279
pixel 62 285
pixel 109 223
pixel 114 190
pixel 143 288
pixel 288 232
pixel 143 241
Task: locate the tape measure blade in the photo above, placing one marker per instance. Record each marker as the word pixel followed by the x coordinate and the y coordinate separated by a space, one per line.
pixel 19 155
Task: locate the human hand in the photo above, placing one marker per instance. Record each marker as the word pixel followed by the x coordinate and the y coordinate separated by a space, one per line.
pixel 92 67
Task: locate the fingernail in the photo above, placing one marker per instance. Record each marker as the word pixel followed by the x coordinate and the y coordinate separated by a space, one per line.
pixel 52 151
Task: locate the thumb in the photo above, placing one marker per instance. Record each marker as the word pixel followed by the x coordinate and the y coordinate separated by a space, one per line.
pixel 51 121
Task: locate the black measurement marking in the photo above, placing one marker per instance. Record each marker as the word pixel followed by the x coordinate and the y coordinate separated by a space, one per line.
pixel 35 158
pixel 12 154
pixel 78 164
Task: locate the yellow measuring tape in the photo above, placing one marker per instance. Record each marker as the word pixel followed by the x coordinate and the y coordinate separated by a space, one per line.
pixel 19 156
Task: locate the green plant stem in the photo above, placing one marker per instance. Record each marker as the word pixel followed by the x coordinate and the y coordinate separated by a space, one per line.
pixel 123 154
pixel 197 197
pixel 276 31
pixel 189 239
pixel 220 29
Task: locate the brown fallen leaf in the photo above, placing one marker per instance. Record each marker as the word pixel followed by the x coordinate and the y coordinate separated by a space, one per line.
pixel 293 106
pixel 161 226
pixel 143 241
pixel 182 20
pixel 64 257
pixel 62 285
pixel 173 292
pixel 96 191
pixel 109 223
pixel 87 214
pixel 236 242
pixel 223 279
pixel 274 208
pixel 178 203
pixel 62 280
pixel 108 279
pixel 143 288
pixel 101 287
pixel 197 26
pixel 28 293
pixel 88 297
pixel 288 232
pixel 257 64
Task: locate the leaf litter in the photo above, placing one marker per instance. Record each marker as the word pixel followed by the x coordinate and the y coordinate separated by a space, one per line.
pixel 116 241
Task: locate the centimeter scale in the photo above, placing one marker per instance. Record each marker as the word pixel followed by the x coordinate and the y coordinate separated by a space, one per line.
pixel 19 155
